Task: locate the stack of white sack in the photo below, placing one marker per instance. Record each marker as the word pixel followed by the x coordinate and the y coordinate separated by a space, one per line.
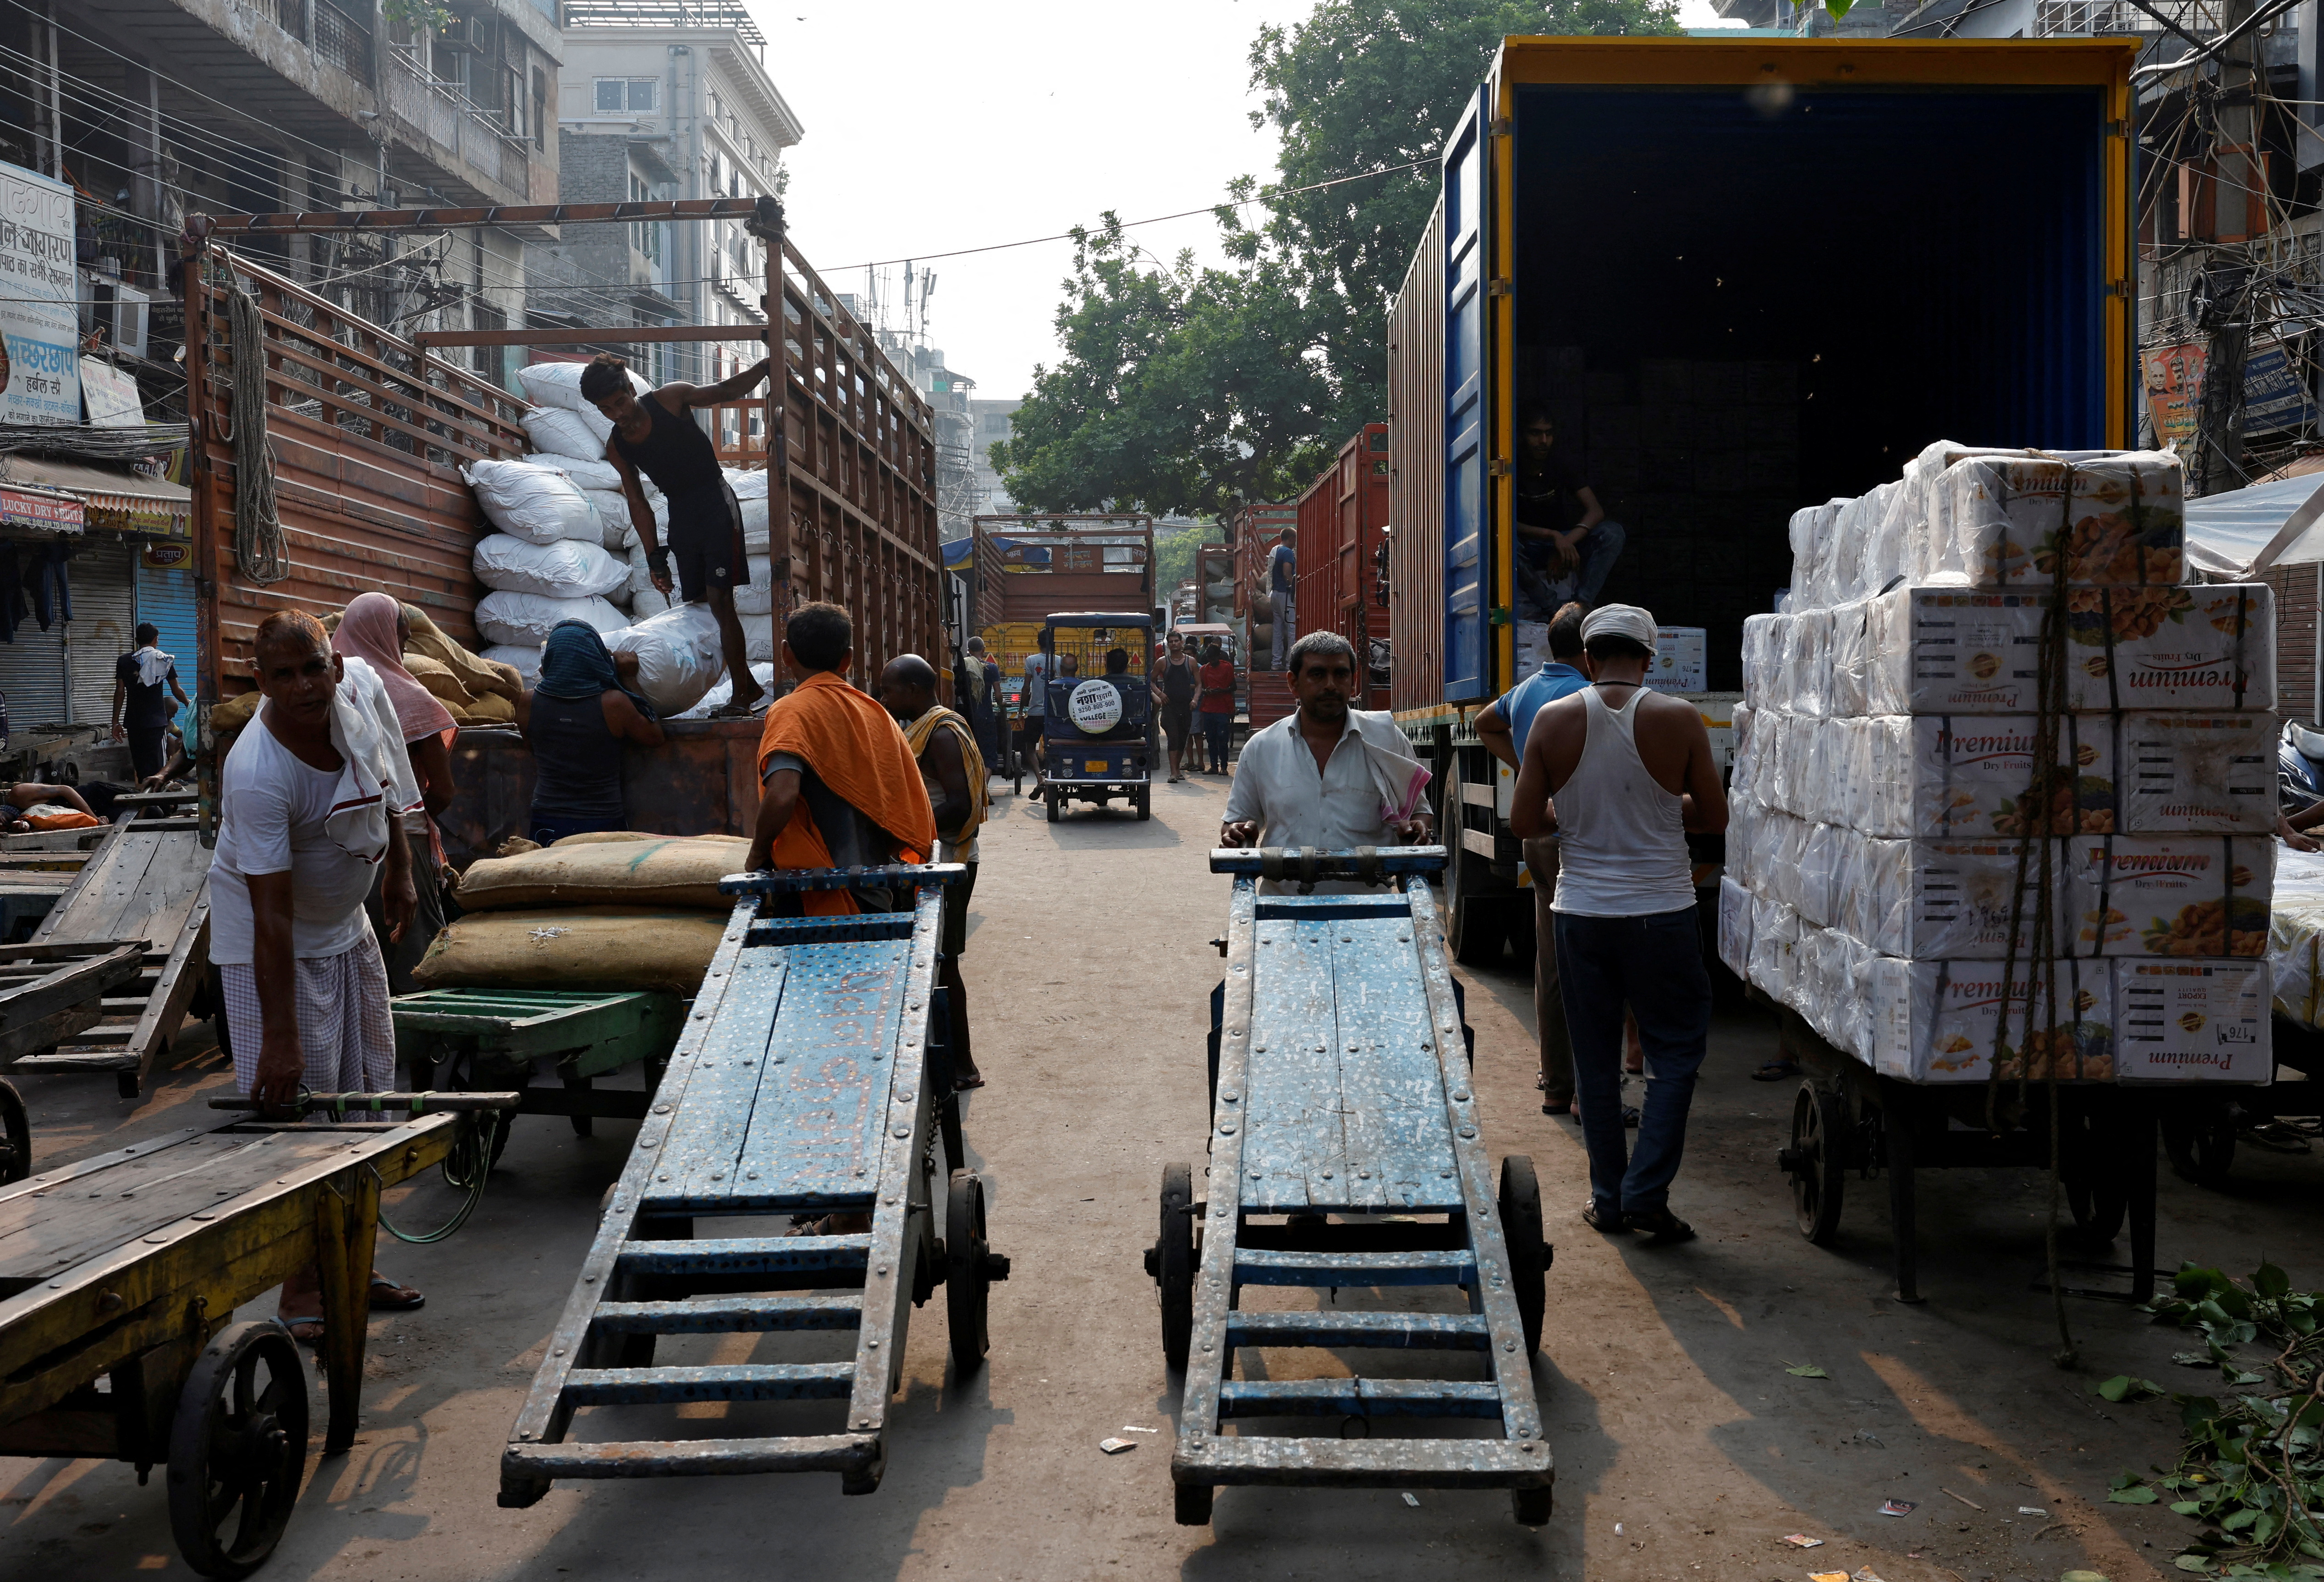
pixel 538 504
pixel 1893 802
pixel 526 620
pixel 719 695
pixel 524 658
pixel 679 656
pixel 563 570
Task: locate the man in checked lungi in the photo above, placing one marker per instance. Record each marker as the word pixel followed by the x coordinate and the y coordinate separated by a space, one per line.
pixel 305 804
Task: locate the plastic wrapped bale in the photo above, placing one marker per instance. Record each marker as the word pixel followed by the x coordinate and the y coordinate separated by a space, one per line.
pixel 1959 898
pixel 757 597
pixel 527 618
pixel 1972 777
pixel 2120 519
pixel 2175 895
pixel 2193 1021
pixel 679 656
pixel 599 948
pixel 561 431
pixel 2208 774
pixel 1937 1021
pixel 535 504
pixel 558 385
pixel 1735 927
pixel 665 871
pixel 1775 944
pixel 565 571
pixel 523 658
pixel 2295 937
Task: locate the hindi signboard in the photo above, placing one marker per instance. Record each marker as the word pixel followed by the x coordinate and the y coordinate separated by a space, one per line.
pixel 40 315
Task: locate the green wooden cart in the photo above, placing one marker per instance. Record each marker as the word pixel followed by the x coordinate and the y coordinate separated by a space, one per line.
pixel 470 1038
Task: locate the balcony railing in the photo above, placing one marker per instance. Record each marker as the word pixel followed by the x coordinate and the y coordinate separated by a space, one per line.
pixel 340 40
pixel 432 108
pixel 2082 18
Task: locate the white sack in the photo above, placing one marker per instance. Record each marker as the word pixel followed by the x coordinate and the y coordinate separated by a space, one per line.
pixel 719 695
pixel 759 637
pixel 747 483
pixel 561 570
pixel 529 618
pixel 564 432
pixel 558 385
pixel 536 504
pixel 647 602
pixel 523 658
pixel 679 656
pixel 757 597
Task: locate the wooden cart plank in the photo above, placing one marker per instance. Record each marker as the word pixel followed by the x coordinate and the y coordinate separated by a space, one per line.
pixel 816 1137
pixel 1296 1155
pixel 1391 1088
pixel 706 1136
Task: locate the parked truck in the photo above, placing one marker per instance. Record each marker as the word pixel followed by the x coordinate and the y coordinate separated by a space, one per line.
pixel 1025 568
pixel 1741 276
pixel 1342 564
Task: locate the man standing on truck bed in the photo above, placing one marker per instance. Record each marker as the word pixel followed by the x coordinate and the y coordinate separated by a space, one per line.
pixel 655 435
pixel 1283 595
pixel 1565 546
pixel 1632 771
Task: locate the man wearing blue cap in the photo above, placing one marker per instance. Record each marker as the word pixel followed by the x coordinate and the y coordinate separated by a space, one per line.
pixel 1633 772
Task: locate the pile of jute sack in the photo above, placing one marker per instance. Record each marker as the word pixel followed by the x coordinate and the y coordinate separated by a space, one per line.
pixel 1898 792
pixel 616 911
pixel 474 690
pixel 565 549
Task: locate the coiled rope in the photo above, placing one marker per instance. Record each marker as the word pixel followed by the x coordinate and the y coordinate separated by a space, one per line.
pixel 259 550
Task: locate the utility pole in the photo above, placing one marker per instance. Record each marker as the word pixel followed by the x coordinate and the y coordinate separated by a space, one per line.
pixel 2235 178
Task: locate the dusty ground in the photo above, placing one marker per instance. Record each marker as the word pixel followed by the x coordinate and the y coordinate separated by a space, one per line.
pixel 1683 1447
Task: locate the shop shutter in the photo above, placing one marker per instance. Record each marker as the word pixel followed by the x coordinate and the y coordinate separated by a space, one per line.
pixel 102 628
pixel 33 665
pixel 166 598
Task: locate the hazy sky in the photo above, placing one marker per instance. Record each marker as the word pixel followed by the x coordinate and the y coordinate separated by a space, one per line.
pixel 932 128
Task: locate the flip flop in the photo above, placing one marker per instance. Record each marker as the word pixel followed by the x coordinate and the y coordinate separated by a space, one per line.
pixel 387 1296
pixel 967 1083
pixel 305 1331
pixel 1604 1224
pixel 1662 1228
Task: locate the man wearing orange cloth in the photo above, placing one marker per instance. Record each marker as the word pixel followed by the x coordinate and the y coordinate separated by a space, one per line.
pixel 838 786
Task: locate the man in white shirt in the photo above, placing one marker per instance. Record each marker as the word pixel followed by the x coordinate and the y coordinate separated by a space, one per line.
pixel 1326 775
pixel 303 819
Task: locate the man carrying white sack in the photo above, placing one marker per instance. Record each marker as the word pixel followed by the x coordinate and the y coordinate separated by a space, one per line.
pixel 304 806
pixel 655 435
pixel 1632 772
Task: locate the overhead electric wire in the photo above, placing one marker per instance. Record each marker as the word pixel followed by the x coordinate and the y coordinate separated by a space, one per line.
pixel 2211 50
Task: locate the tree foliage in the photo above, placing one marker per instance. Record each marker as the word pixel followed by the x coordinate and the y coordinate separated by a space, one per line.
pixel 1192 390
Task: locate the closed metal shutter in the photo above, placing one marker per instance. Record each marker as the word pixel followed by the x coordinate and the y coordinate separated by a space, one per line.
pixel 102 628
pixel 33 665
pixel 166 598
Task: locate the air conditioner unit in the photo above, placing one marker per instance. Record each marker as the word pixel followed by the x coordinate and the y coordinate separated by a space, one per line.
pixel 117 311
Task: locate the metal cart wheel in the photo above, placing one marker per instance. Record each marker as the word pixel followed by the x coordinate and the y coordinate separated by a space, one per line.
pixel 968 1277
pixel 1533 1506
pixel 1193 1502
pixel 1529 1256
pixel 1816 1161
pixel 1170 1260
pixel 2202 1142
pixel 15 1136
pixel 238 1449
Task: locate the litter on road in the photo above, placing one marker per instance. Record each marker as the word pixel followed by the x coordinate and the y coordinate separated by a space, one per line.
pixel 1116 1446
pixel 1898 1507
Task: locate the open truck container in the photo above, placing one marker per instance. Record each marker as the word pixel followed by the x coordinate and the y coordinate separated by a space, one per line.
pixel 1745 276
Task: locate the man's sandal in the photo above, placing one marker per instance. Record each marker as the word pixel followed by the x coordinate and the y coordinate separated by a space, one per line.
pixel 387 1296
pixel 1605 1225
pixel 305 1331
pixel 1661 1227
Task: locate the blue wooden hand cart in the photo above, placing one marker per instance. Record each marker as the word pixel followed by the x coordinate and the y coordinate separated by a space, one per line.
pixel 1346 1155
pixel 810 1080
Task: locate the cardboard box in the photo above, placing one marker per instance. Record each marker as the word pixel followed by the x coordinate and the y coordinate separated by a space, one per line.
pixel 2173 895
pixel 1680 663
pixel 2209 773
pixel 1936 1022
pixel 1735 927
pixel 2192 1021
pixel 1949 900
pixel 1972 777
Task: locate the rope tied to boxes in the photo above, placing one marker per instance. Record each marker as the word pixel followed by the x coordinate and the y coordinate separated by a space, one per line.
pixel 2042 824
pixel 259 550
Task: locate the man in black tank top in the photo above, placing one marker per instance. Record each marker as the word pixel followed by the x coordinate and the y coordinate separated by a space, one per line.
pixel 654 434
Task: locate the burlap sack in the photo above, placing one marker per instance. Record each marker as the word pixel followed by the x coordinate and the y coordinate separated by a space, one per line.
pixel 440 681
pixel 587 947
pixel 492 708
pixel 663 871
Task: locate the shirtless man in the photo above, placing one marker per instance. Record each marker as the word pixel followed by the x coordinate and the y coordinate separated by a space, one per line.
pixel 1633 772
pixel 27 794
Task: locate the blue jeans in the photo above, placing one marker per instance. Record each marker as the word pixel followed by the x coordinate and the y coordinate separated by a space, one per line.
pixel 1541 592
pixel 1654 965
pixel 1216 729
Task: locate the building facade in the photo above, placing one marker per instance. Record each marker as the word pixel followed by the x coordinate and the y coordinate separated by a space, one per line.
pixel 663 99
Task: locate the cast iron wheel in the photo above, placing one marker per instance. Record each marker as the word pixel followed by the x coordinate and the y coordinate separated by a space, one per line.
pixel 1049 795
pixel 1171 1262
pixel 1533 1506
pixel 968 1271
pixel 1529 1256
pixel 15 1136
pixel 2202 1142
pixel 1193 1502
pixel 237 1448
pixel 1818 1172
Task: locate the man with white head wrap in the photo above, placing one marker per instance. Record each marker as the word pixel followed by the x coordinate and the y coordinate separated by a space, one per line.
pixel 1632 772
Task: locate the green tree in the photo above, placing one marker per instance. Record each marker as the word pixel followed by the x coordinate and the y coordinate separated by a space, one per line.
pixel 1187 390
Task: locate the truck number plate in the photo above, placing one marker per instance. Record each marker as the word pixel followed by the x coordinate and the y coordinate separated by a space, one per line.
pixel 1093 765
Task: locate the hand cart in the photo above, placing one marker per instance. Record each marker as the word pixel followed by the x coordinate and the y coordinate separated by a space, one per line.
pixel 467 1039
pixel 127 1268
pixel 1849 1119
pixel 805 1083
pixel 1345 1152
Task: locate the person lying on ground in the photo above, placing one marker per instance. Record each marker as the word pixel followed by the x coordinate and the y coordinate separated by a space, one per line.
pixel 27 794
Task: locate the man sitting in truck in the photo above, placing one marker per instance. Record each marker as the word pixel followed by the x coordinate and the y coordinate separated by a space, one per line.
pixel 1565 546
pixel 657 436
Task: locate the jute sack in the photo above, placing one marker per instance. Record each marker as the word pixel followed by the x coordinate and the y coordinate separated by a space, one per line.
pixel 661 870
pixel 587 947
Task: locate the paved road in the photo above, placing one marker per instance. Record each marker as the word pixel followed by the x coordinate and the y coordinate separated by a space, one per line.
pixel 1683 1447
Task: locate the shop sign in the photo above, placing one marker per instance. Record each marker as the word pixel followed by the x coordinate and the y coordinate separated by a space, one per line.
pixel 39 292
pixel 46 512
pixel 176 555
